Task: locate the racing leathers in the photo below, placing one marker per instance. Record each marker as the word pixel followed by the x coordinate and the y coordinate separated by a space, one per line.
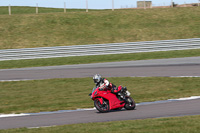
pixel 105 84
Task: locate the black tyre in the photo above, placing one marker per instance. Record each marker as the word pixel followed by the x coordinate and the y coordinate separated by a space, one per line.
pixel 101 107
pixel 130 104
pixel 118 109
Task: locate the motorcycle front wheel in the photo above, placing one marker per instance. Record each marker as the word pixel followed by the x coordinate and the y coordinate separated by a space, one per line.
pixel 101 107
pixel 130 104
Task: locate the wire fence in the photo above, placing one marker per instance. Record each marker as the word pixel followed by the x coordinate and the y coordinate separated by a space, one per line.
pixel 65 5
pixel 99 49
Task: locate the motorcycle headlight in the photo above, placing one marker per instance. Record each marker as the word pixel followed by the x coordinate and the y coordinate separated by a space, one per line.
pixel 94 94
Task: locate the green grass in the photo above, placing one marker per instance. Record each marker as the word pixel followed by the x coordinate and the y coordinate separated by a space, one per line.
pixel 97 59
pixel 186 124
pixel 22 30
pixel 65 94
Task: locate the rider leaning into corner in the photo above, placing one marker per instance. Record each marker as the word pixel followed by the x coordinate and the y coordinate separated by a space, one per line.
pixel 104 84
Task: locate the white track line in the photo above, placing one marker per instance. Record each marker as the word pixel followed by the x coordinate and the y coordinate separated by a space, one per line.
pixel 86 109
pixel 12 115
pixel 131 76
pixel 168 76
pixel 185 76
pixel 15 80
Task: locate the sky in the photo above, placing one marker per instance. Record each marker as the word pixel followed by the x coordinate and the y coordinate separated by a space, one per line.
pixel 92 4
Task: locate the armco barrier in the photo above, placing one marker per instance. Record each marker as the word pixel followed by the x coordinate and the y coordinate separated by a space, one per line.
pixel 99 49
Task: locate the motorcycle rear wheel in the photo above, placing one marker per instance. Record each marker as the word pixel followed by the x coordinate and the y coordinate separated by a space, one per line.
pixel 103 108
pixel 130 105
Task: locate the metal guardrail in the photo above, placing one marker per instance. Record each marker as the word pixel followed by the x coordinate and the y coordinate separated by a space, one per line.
pixel 99 49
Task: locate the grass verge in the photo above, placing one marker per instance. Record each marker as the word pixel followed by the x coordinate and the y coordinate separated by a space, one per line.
pixel 64 94
pixel 76 27
pixel 97 59
pixel 186 124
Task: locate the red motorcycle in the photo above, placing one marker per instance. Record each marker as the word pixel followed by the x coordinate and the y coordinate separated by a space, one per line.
pixel 105 101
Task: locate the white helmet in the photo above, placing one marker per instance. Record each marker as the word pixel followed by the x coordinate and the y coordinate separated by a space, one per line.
pixel 97 78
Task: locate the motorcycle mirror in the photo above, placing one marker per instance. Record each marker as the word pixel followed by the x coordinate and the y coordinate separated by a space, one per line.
pixel 90 94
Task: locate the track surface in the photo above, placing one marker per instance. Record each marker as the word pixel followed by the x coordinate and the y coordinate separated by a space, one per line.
pixel 161 67
pixel 177 108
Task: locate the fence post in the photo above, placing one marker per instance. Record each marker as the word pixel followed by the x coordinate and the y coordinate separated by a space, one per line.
pixel 86 5
pixel 9 9
pixel 199 3
pixel 113 5
pixel 172 4
pixel 36 8
pixel 64 7
pixel 144 4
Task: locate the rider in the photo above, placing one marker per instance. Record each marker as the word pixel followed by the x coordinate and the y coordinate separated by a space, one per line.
pixel 105 84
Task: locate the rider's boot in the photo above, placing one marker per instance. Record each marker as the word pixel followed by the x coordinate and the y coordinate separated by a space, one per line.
pixel 121 95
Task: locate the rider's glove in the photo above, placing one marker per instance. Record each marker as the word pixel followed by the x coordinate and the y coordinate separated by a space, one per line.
pixel 101 88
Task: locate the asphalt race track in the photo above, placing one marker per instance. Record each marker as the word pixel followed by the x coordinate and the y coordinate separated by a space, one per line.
pixel 169 109
pixel 189 66
pixel 161 67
